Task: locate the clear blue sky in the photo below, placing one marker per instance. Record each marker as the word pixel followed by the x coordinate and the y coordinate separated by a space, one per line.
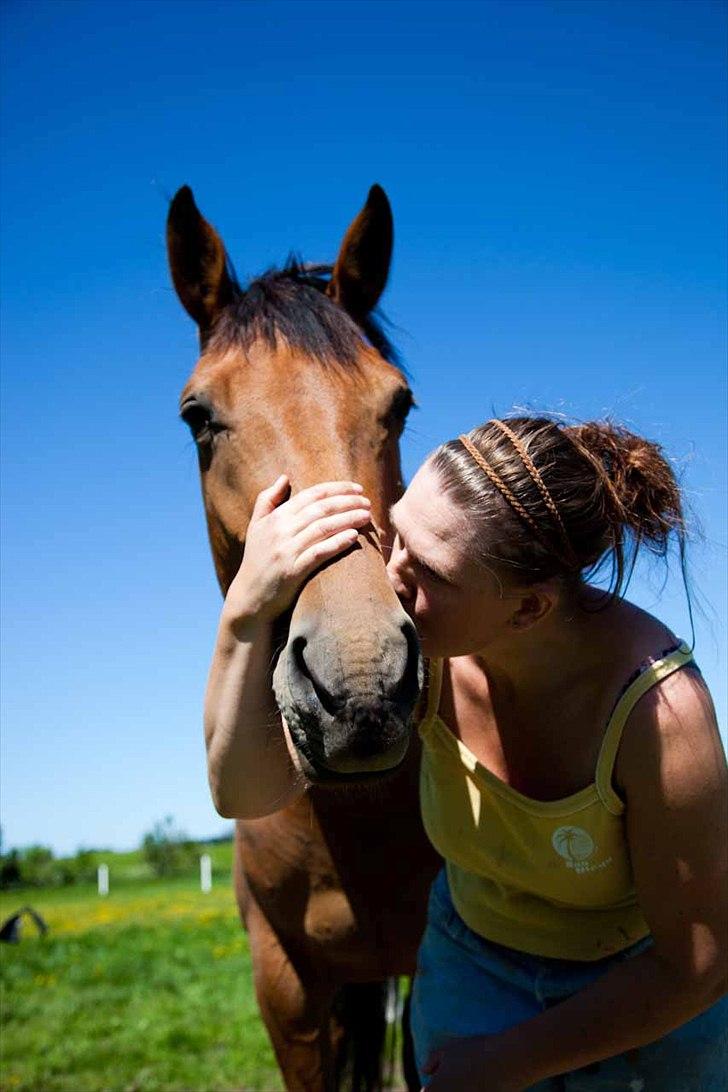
pixel 558 178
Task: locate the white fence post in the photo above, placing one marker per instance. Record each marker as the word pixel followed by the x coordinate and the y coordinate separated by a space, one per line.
pixel 205 873
pixel 103 874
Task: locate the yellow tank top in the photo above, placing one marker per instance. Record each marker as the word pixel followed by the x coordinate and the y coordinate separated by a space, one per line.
pixel 549 878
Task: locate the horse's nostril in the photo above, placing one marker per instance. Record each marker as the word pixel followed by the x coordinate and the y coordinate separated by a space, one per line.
pixel 331 704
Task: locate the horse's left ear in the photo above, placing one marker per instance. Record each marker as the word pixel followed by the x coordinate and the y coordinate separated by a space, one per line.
pixel 362 266
pixel 197 261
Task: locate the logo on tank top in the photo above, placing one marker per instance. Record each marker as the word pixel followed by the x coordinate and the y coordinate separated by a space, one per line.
pixel 576 846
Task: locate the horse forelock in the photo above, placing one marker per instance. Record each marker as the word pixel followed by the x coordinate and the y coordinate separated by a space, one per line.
pixel 291 305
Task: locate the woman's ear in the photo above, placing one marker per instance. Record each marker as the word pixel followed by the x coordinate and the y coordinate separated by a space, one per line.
pixel 533 606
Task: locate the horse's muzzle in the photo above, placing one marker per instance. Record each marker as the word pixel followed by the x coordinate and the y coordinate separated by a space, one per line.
pixel 349 710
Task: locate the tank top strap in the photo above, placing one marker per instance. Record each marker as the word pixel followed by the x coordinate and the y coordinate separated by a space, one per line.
pixel 645 680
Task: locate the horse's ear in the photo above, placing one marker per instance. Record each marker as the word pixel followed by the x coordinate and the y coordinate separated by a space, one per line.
pixel 197 261
pixel 362 266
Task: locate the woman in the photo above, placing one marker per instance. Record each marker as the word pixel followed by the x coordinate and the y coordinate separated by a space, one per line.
pixel 572 775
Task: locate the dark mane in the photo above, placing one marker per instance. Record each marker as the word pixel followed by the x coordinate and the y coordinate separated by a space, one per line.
pixel 292 304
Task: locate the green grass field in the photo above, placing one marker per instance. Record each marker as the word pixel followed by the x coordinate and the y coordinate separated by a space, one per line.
pixel 147 989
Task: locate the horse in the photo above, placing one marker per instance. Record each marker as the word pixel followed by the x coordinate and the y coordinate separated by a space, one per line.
pixel 297 375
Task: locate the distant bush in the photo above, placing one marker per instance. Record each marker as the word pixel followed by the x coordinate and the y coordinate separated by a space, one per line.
pixel 11 874
pixel 168 851
pixel 218 839
pixel 165 851
pixel 36 866
pixel 83 866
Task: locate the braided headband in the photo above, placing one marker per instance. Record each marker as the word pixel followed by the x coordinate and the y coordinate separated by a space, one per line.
pixel 533 471
pixel 499 483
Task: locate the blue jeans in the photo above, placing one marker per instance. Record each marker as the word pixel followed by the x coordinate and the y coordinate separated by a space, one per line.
pixel 466 985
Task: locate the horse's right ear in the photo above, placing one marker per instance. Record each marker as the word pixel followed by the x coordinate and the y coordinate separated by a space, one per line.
pixel 197 261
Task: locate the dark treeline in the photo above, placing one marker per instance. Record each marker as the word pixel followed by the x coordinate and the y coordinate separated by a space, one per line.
pixel 164 851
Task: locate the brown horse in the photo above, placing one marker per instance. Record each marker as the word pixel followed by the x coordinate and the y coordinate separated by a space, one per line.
pixel 296 375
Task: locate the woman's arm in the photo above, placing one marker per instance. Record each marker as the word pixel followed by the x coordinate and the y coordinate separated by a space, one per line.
pixel 672 771
pixel 249 767
pixel 251 762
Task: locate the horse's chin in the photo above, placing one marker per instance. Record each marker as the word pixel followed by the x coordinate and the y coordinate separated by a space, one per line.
pixel 317 773
pixel 340 750
pixel 328 779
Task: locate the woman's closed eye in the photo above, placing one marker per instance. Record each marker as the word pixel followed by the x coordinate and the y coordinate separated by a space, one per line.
pixel 432 575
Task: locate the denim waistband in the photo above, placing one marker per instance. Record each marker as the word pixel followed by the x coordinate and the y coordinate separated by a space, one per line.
pixel 547 978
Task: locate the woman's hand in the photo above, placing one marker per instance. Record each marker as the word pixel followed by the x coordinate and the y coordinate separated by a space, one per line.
pixel 288 539
pixel 471 1065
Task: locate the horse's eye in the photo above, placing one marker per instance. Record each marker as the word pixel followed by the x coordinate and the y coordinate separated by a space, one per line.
pixel 401 404
pixel 201 421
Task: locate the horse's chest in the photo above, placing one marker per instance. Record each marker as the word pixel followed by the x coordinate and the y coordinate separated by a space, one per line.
pixel 354 896
pixel 329 918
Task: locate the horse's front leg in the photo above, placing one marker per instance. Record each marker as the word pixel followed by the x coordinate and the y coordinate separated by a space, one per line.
pixel 297 1014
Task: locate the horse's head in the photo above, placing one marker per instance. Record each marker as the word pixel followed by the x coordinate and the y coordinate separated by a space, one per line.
pixel 293 377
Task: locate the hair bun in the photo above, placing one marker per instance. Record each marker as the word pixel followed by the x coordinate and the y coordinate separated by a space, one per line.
pixel 644 495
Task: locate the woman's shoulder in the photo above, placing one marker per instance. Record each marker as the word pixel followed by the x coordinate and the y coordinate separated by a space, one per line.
pixel 671 740
pixel 672 730
pixel 635 635
pixel 644 643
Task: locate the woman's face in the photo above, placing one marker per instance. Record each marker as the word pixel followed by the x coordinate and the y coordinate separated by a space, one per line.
pixel 457 606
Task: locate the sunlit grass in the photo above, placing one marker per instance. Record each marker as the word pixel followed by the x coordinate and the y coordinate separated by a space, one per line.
pixel 75 910
pixel 146 989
